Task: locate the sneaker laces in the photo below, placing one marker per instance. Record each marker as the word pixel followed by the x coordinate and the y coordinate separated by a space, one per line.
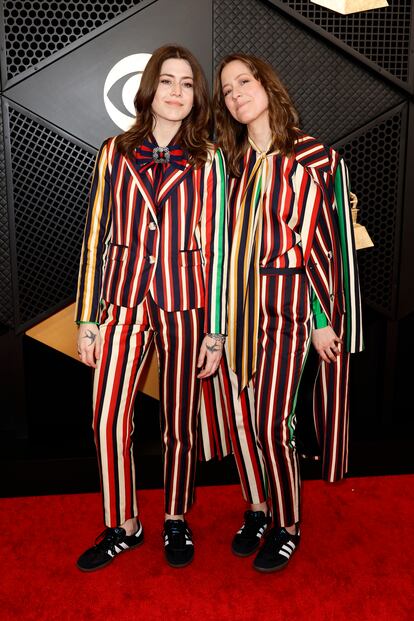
pixel 107 540
pixel 176 530
pixel 253 520
pixel 277 538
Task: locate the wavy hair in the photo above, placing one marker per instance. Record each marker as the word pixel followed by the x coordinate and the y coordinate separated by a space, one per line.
pixel 195 129
pixel 284 120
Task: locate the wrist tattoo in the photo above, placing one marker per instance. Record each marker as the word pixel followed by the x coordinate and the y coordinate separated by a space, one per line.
pixel 91 336
pixel 220 338
pixel 213 348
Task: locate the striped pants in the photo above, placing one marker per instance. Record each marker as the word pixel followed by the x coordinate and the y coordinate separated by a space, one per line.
pixel 126 336
pixel 262 420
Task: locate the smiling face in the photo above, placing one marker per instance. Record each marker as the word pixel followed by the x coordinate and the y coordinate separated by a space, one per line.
pixel 174 96
pixel 244 96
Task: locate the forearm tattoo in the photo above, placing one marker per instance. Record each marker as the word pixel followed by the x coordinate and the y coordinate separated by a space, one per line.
pixel 91 336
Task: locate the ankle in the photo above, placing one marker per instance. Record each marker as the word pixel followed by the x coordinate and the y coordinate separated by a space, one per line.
pixel 130 526
pixel 261 506
pixel 293 529
pixel 168 516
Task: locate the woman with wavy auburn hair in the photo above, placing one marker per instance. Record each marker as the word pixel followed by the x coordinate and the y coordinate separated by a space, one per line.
pixel 153 270
pixel 293 280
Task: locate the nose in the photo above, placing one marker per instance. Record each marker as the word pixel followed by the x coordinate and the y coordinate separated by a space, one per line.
pixel 235 94
pixel 176 89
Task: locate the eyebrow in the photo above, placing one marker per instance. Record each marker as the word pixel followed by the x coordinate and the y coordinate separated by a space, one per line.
pixel 236 78
pixel 184 77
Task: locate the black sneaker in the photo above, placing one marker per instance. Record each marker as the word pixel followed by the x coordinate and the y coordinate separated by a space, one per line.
pixel 277 549
pixel 247 539
pixel 179 547
pixel 111 541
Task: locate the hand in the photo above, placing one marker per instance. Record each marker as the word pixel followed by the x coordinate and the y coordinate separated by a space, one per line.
pixel 209 357
pixel 326 343
pixel 89 344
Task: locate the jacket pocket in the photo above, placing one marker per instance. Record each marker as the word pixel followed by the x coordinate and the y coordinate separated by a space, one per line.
pixel 187 258
pixel 117 252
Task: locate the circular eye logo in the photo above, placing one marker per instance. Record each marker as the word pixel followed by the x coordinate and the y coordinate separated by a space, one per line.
pixel 131 66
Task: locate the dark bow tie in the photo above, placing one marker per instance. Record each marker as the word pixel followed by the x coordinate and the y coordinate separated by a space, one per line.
pixel 148 154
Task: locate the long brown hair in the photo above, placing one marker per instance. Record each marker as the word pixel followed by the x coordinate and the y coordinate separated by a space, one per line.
pixel 195 129
pixel 283 118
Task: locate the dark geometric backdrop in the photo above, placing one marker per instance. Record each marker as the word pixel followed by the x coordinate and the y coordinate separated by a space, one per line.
pixel 351 78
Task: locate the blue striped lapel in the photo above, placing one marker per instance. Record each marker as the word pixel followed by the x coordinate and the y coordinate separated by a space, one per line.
pixel 144 186
pixel 170 182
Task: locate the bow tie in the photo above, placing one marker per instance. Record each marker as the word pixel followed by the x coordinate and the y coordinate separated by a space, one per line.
pixel 148 154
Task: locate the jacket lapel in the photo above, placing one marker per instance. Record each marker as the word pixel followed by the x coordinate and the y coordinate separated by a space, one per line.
pixel 144 186
pixel 170 181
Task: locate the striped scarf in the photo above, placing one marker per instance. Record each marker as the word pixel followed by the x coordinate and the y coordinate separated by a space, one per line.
pixel 243 305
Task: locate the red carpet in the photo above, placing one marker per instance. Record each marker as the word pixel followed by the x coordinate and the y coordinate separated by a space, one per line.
pixel 355 562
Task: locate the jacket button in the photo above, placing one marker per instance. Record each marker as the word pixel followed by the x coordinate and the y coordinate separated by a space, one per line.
pixel 151 259
pixel 332 296
pixel 152 226
pixel 329 255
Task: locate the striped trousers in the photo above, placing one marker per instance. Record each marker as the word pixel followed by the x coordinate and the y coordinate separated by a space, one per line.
pixel 126 336
pixel 262 420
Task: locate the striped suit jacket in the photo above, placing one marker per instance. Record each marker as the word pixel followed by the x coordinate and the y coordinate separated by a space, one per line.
pixel 173 246
pixel 328 243
pixel 329 254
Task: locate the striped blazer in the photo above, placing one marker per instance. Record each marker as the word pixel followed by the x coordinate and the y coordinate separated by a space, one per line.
pixel 327 239
pixel 330 262
pixel 174 246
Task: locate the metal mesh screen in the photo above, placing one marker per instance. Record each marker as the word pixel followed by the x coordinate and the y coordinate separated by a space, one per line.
pixel 334 96
pixel 35 30
pixel 6 305
pixel 382 35
pixel 373 159
pixel 51 177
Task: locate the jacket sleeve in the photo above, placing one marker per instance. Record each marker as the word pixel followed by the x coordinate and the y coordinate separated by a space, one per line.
pixel 353 312
pixel 214 233
pixel 97 228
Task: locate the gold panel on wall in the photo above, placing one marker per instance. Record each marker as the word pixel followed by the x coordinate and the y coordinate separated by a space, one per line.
pixel 59 332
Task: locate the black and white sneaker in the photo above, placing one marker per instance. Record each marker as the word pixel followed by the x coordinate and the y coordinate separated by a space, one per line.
pixel 247 539
pixel 179 547
pixel 110 543
pixel 277 550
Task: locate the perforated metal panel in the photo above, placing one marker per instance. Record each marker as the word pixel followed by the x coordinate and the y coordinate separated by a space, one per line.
pixel 35 30
pixel 334 96
pixel 373 160
pixel 382 35
pixel 51 177
pixel 6 300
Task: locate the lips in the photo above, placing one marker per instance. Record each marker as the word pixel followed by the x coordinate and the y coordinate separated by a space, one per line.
pixel 241 105
pixel 174 103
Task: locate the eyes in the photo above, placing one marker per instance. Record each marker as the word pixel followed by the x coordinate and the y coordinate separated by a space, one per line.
pixel 242 82
pixel 187 84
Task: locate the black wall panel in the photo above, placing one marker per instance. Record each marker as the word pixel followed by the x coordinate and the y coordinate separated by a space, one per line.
pixel 6 293
pixel 375 156
pixel 50 176
pixel 36 30
pixel 380 37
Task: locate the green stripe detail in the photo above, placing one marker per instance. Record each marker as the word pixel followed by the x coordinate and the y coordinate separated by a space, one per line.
pixel 339 190
pixel 220 253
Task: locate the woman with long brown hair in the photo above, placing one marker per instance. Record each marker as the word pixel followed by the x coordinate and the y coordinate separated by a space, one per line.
pixel 292 280
pixel 153 270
